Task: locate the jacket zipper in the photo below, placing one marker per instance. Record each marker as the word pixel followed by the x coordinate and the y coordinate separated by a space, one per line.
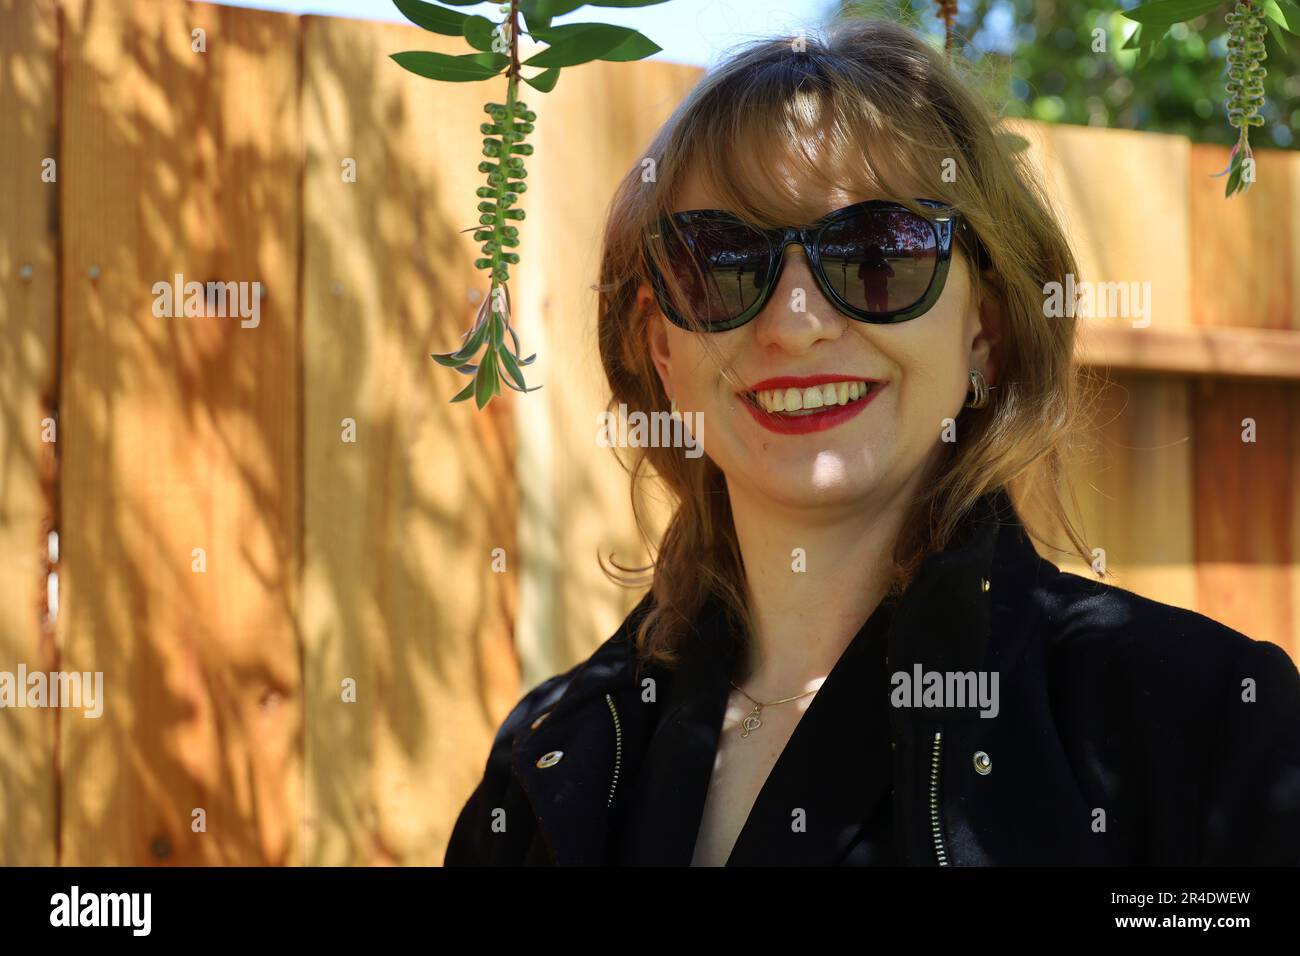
pixel 618 747
pixel 935 754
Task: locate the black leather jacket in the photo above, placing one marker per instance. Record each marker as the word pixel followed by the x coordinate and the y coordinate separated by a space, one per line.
pixel 1129 732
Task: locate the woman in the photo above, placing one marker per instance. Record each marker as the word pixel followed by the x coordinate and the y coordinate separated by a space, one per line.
pixel 851 652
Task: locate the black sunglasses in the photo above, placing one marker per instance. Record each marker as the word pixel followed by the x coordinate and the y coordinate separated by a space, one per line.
pixel 877 261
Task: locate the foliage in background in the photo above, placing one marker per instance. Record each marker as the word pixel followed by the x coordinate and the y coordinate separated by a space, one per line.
pixel 1247 23
pixel 1035 60
pixel 497 46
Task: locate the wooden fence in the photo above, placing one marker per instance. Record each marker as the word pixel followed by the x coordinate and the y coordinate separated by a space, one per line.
pixel 252 521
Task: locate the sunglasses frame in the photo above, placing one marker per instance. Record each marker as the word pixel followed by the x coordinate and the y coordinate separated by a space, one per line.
pixel 945 223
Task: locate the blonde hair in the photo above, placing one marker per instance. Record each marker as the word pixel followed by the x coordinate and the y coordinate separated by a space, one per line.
pixel 879 101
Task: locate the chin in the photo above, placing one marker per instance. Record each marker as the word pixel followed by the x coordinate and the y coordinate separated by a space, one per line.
pixel 802 490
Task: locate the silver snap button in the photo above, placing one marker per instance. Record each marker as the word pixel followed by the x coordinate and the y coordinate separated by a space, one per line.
pixel 984 584
pixel 983 764
pixel 550 759
pixel 538 722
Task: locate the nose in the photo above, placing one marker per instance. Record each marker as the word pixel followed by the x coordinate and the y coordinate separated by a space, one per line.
pixel 797 316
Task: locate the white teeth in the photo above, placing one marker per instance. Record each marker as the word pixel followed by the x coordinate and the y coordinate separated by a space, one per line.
pixel 804 399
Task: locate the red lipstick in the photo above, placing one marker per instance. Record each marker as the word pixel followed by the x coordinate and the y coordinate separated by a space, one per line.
pixel 815 421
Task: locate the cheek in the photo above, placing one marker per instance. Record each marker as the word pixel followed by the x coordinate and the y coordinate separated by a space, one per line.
pixel 683 364
pixel 931 373
pixel 697 379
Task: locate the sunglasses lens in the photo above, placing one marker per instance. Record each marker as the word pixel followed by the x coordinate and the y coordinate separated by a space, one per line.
pixel 721 267
pixel 880 261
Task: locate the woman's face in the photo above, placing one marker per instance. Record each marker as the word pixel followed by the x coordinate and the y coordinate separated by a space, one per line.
pixel 868 450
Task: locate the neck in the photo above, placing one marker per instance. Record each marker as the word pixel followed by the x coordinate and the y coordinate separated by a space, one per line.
pixel 804 620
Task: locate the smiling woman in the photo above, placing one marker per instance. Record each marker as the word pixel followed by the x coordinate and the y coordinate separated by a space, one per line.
pixel 841 270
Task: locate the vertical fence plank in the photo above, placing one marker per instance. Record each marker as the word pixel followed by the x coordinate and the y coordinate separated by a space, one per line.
pixel 1246 521
pixel 1122 197
pixel 1132 477
pixel 401 522
pixel 28 320
pixel 1140 487
pixel 180 433
pixel 1245 250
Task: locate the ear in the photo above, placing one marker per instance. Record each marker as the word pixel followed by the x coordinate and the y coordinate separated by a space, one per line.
pixel 656 335
pixel 986 324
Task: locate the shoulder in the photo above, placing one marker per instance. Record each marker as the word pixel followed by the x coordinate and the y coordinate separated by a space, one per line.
pixel 1199 719
pixel 1088 620
pixel 609 657
pixel 474 840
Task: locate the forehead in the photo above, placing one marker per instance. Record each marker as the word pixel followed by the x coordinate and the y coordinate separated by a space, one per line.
pixel 790 183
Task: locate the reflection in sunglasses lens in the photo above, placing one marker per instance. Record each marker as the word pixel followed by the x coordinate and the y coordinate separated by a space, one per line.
pixel 880 261
pixel 722 267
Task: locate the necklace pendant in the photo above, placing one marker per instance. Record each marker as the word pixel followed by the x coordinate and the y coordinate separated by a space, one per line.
pixel 752 721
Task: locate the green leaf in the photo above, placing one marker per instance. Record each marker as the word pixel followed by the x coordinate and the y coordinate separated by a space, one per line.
pixel 625 3
pixel 1146 35
pixel 544 81
pixel 512 369
pixel 455 69
pixel 478 31
pixel 447 359
pixel 1284 13
pixel 545 9
pixel 566 31
pixel 493 61
pixel 1172 11
pixel 432 18
pixel 576 43
pixel 473 344
pixel 635 47
pixel 1234 180
pixel 464 393
pixel 1276 30
pixel 485 383
pixel 515 338
pixel 532 19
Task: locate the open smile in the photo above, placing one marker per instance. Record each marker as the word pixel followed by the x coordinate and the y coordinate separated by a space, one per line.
pixel 797 405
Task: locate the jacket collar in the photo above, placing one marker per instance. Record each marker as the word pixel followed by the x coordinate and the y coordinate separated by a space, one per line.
pixel 834 769
pixel 942 622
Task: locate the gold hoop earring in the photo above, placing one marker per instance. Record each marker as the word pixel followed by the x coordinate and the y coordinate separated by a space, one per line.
pixel 980 398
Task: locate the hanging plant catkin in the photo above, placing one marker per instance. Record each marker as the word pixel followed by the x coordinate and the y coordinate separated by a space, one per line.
pixel 1245 87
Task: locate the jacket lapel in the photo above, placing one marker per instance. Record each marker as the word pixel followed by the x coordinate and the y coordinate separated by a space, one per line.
pixel 566 763
pixel 834 770
pixel 943 624
pixel 670 789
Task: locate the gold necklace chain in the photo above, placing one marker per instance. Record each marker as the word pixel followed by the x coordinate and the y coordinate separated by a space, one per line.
pixel 753 720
